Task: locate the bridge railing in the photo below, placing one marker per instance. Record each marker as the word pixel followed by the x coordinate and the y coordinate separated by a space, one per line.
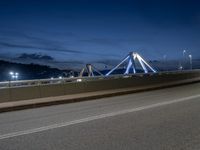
pixel 22 83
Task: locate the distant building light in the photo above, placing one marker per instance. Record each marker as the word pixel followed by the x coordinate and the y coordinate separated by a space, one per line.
pixel 181 68
pixel 60 77
pixel 126 76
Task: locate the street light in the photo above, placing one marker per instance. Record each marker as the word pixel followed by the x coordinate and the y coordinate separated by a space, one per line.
pixel 183 60
pixel 164 62
pixel 190 57
pixel 11 73
pixel 14 75
pixel 184 51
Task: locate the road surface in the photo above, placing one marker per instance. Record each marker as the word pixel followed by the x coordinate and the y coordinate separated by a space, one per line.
pixel 167 119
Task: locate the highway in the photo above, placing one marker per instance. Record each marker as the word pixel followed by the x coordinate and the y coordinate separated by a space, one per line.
pixel 166 119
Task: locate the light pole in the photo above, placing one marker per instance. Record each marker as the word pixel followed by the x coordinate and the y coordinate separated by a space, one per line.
pixel 190 57
pixel 164 64
pixel 180 66
pixel 184 51
pixel 183 62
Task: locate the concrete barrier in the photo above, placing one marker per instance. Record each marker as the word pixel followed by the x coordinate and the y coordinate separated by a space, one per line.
pixel 23 93
pixel 41 91
pixel 5 95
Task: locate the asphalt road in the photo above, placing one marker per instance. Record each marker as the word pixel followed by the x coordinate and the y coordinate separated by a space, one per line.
pixel 167 119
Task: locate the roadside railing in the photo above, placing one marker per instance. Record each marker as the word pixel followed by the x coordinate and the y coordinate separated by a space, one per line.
pixel 23 83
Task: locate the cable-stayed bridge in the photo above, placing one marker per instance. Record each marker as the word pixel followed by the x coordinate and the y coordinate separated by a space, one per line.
pixel 163 105
pixel 91 79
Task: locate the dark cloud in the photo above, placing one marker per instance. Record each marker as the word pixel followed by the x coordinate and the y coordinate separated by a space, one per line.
pixel 24 46
pixel 35 56
pixel 70 62
pixel 32 42
pixel 48 47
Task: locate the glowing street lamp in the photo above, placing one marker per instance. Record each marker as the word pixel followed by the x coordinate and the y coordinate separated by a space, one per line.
pixel 14 75
pixel 190 57
pixel 165 67
pixel 184 51
pixel 11 73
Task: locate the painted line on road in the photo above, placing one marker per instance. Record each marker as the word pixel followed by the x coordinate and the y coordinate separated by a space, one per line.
pixel 64 124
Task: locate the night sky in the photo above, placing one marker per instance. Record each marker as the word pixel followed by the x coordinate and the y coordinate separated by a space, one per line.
pixel 63 33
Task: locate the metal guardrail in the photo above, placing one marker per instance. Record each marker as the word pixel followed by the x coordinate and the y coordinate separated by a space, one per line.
pixel 24 83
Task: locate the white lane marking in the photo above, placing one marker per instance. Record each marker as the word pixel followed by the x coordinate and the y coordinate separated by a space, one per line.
pixel 64 124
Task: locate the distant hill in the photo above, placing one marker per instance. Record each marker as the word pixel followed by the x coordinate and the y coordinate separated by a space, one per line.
pixel 31 71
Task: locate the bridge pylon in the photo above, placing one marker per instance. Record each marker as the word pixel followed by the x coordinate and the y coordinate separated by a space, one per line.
pixel 90 70
pixel 131 58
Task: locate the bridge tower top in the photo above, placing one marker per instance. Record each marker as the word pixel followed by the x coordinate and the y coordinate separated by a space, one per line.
pixel 132 58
